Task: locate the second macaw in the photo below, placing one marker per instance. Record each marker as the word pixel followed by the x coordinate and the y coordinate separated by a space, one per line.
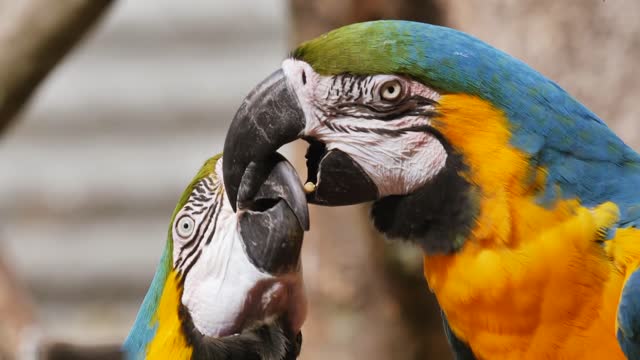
pixel 229 286
pixel 525 203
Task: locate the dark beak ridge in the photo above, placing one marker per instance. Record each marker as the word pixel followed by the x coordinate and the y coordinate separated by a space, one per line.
pixel 269 117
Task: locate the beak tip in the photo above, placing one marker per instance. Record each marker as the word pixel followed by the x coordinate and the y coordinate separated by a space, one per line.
pixel 304 220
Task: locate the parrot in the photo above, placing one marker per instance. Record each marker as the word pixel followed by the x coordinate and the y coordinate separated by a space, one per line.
pixel 524 203
pixel 229 285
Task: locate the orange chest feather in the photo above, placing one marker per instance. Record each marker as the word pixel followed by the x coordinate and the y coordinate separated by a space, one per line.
pixel 554 295
pixel 530 282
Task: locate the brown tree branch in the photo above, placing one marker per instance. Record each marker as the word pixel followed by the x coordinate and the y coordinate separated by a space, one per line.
pixel 34 36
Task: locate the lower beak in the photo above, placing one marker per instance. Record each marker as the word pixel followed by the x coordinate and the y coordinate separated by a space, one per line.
pixel 271 116
pixel 273 214
pixel 338 179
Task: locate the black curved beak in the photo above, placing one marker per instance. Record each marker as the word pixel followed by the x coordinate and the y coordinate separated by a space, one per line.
pixel 273 214
pixel 268 118
pixel 271 116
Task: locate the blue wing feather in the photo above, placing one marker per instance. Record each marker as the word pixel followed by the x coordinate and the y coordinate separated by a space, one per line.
pixel 629 317
pixel 143 331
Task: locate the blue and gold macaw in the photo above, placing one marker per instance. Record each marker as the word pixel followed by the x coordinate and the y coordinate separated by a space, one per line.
pixel 228 285
pixel 525 203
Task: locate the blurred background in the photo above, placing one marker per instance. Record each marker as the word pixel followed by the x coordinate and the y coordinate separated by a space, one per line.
pixel 91 170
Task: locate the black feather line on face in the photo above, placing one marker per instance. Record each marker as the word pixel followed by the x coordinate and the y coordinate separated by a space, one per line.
pixel 215 220
pixel 199 189
pixel 195 241
pixel 193 246
pixel 199 212
pixel 352 81
pixel 188 268
pixel 331 88
pixel 348 129
pixel 202 198
pixel 411 106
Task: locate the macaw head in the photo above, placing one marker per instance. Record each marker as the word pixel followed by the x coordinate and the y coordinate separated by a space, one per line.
pixel 223 271
pixel 239 268
pixel 434 125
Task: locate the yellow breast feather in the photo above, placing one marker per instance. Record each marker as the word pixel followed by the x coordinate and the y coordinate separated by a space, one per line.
pixel 530 282
pixel 169 341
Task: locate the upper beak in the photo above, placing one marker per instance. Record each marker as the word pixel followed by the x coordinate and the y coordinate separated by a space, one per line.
pixel 273 215
pixel 271 116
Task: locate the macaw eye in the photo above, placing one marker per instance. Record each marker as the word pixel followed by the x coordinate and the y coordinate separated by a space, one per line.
pixel 391 90
pixel 185 226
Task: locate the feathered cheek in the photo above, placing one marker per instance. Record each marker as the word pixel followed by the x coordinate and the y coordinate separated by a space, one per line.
pixel 415 159
pixel 338 134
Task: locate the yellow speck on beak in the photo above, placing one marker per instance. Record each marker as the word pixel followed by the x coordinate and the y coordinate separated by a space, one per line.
pixel 309 187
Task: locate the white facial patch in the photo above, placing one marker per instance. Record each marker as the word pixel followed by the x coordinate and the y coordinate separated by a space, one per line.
pixel 386 139
pixel 397 165
pixel 217 285
pixel 221 283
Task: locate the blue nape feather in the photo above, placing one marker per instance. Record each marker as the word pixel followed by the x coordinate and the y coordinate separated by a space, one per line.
pixel 143 332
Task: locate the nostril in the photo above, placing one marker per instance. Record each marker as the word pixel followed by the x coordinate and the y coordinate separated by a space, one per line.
pixel 261 205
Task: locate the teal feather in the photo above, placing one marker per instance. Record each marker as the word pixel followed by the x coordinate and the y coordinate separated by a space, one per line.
pixel 143 329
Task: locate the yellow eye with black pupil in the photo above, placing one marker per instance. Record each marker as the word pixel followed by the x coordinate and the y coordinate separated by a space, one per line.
pixel 185 226
pixel 391 90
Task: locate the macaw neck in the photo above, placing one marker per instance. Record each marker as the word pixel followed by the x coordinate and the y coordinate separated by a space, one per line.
pixel 438 216
pixel 158 324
